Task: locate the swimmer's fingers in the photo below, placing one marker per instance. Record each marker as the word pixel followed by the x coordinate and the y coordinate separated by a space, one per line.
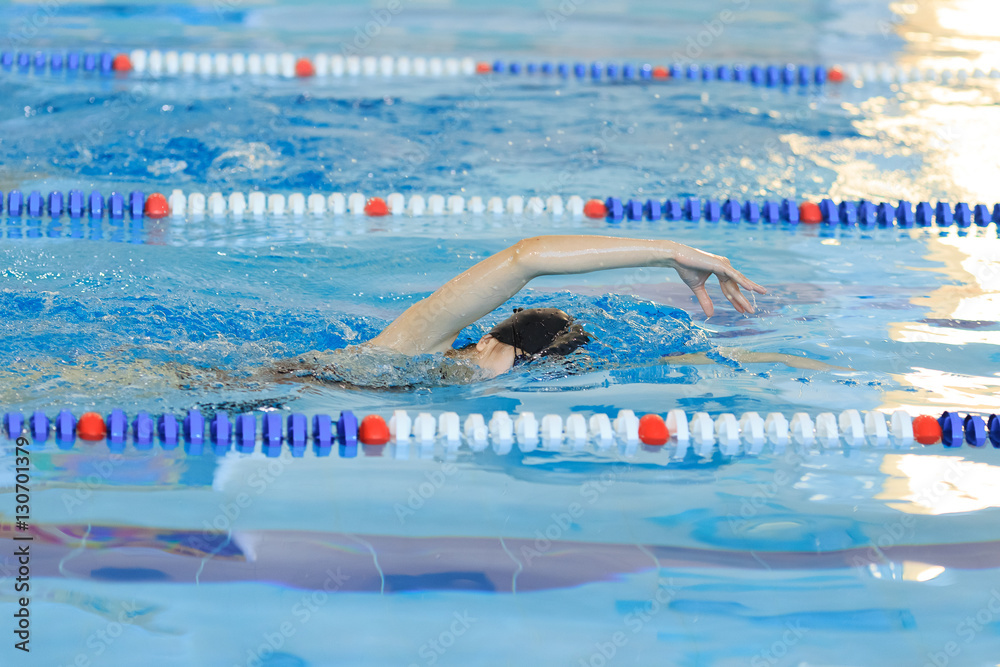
pixel 704 300
pixel 740 279
pixel 731 290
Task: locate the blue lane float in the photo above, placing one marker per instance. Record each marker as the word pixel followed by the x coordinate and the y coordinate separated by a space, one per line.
pixel 142 431
pixel 168 431
pixel 993 429
pixel 952 432
pixel 975 430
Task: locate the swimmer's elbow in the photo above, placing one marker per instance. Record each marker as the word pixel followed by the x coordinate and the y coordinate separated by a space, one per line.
pixel 526 256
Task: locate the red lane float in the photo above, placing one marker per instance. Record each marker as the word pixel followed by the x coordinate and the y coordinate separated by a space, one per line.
pixel 595 208
pixel 121 63
pixel 157 206
pixel 809 213
pixel 926 430
pixel 304 68
pixel 373 431
pixel 91 427
pixel 835 75
pixel 653 430
pixel 376 206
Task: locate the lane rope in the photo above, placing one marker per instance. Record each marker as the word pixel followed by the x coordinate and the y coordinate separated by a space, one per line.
pixel 117 206
pixel 676 431
pixel 288 65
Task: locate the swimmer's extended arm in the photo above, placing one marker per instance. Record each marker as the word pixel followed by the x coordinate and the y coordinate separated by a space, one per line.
pixel 433 324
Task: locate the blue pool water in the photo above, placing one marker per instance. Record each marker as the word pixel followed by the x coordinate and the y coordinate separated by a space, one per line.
pixel 557 556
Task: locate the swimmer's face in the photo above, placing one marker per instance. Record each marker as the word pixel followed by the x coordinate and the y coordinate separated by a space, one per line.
pixel 493 356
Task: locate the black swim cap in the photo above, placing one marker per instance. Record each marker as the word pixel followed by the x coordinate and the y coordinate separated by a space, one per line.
pixel 541 331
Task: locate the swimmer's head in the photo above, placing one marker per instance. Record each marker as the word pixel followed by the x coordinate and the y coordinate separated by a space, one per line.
pixel 540 332
pixel 524 336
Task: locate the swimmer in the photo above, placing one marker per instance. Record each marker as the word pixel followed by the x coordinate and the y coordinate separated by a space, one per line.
pixel 412 345
pixel 432 325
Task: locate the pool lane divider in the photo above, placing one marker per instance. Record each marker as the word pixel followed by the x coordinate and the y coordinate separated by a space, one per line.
pixel 137 205
pixel 289 65
pixel 732 436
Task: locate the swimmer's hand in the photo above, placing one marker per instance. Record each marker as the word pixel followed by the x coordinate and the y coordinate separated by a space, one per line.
pixel 695 266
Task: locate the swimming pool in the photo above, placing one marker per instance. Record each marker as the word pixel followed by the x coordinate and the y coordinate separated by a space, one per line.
pixel 489 549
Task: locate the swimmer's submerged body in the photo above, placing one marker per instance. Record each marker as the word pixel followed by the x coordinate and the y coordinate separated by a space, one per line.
pixel 432 325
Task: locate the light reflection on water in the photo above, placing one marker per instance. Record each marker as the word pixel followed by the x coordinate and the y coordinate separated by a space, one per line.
pixel 929 484
pixel 954 130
